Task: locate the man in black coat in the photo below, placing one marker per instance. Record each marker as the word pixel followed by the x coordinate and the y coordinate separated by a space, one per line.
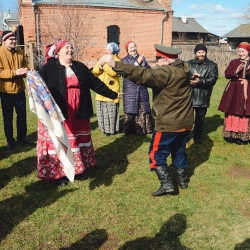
pixel 203 76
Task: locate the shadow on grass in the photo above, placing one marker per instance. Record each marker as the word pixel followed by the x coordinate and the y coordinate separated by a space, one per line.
pixel 167 238
pixel 243 246
pixel 19 148
pixel 18 169
pixel 198 154
pixel 91 241
pixel 112 159
pixel 15 209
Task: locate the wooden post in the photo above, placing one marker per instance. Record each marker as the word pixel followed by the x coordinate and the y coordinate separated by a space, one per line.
pixel 29 55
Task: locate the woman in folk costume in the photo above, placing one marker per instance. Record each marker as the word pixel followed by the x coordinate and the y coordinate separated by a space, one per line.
pixel 69 83
pixel 235 101
pixel 137 118
pixel 107 110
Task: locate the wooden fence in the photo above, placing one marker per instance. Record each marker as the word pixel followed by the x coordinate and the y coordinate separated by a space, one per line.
pixel 218 54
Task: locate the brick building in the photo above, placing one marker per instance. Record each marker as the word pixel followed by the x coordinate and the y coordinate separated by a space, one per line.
pixel 89 25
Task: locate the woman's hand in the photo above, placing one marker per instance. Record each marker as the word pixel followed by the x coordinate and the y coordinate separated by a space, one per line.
pixel 140 59
pixel 248 69
pixel 120 95
pixel 108 59
pixel 240 68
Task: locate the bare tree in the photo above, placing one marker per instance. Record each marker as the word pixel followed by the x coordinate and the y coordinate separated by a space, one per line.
pixel 68 21
pixel 246 14
pixel 182 37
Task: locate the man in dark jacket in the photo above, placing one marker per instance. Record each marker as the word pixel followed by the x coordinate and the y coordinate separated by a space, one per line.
pixel 203 76
pixel 172 111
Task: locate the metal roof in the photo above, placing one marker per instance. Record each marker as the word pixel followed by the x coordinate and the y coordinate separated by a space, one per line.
pixel 12 16
pixel 243 31
pixel 190 26
pixel 128 4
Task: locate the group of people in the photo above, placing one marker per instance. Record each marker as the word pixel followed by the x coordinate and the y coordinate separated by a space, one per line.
pixel 137 116
pixel 180 90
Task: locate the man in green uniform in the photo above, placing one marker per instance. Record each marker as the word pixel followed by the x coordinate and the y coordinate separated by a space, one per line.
pixel 172 110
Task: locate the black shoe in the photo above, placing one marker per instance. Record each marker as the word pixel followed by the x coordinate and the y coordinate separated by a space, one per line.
pixel 166 182
pixel 239 142
pixel 25 141
pixel 62 182
pixel 10 145
pixel 182 178
pixel 197 141
pixel 228 139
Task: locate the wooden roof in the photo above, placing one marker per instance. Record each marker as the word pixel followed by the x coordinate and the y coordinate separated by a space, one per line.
pixel 243 31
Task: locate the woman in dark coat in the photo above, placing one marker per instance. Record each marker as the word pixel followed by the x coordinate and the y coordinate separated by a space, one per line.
pixel 137 118
pixel 69 82
pixel 235 99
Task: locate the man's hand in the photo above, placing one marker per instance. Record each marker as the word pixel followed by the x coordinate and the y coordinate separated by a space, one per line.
pixel 195 81
pixel 195 78
pixel 22 71
pixel 108 59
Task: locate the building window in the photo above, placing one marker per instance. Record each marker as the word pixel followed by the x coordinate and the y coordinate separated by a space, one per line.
pixel 113 34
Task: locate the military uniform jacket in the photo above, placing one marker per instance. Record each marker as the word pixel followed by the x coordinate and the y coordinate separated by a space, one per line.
pixel 172 96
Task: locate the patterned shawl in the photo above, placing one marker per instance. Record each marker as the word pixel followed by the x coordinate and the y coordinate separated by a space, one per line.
pixel 43 105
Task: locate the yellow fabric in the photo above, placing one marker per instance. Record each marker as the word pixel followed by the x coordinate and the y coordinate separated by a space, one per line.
pixel 110 78
pixel 9 63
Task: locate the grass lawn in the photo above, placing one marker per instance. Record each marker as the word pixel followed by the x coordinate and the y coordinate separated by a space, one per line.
pixel 112 206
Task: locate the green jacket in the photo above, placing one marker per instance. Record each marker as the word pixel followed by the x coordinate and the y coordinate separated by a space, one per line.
pixel 172 96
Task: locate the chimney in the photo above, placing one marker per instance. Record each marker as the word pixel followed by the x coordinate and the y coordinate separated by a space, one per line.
pixel 184 19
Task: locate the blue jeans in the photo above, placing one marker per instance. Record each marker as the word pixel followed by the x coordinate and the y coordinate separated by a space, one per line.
pixel 9 102
pixel 165 143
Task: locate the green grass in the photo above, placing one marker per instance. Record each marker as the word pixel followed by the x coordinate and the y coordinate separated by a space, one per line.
pixel 112 206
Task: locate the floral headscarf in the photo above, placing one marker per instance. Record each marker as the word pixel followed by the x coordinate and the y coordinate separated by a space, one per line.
pixel 112 47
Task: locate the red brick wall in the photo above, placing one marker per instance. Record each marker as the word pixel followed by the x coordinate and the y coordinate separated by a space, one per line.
pixel 141 26
pixel 27 19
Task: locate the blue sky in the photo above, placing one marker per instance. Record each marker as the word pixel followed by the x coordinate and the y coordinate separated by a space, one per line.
pixel 217 17
pixel 8 4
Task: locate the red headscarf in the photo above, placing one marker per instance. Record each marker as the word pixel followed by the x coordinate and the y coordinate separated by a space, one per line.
pixel 52 49
pixel 60 44
pixel 127 44
pixel 245 46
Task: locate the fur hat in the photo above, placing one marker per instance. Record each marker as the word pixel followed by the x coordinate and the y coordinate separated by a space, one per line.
pixel 200 46
pixel 6 34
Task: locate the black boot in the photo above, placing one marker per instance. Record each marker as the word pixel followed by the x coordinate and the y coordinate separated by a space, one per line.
pixel 63 181
pixel 166 182
pixel 182 177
